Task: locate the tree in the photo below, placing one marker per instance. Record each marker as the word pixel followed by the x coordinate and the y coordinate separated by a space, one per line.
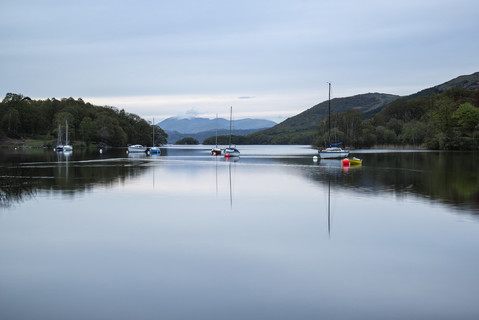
pixel 11 122
pixel 161 137
pixel 188 140
pixel 467 116
pixel 87 130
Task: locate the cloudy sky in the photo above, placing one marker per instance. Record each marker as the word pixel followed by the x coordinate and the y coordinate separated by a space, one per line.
pixel 267 59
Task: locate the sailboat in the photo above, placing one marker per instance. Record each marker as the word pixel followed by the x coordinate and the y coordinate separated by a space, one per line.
pixel 59 147
pixel 67 147
pixel 230 151
pixel 334 151
pixel 216 151
pixel 154 149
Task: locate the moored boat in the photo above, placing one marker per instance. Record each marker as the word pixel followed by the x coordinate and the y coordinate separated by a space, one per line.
pixel 136 148
pixel 216 151
pixel 352 161
pixel 154 149
pixel 334 151
pixel 231 151
pixel 67 147
pixel 59 146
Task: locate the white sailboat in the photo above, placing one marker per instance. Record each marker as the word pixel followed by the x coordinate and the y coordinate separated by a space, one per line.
pixel 154 149
pixel 231 151
pixel 59 146
pixel 216 151
pixel 67 147
pixel 333 151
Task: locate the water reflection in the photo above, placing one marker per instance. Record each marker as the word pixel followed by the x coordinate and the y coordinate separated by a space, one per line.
pixel 278 236
pixel 451 178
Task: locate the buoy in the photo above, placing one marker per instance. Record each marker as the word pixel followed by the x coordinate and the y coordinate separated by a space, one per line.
pixel 101 151
pixel 227 155
pixel 345 162
pixel 315 159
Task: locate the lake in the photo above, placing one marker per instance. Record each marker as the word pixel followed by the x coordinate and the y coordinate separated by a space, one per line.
pixel 271 235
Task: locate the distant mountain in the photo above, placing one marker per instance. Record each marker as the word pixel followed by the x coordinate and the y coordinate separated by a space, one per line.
pixel 196 125
pixel 174 136
pixel 202 128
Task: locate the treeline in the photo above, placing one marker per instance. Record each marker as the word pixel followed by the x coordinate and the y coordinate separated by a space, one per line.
pixel 444 121
pixel 24 118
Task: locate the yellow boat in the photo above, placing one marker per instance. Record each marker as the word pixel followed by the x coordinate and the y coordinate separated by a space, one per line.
pixel 352 161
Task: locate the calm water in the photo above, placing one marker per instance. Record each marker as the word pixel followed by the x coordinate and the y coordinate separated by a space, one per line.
pixel 273 235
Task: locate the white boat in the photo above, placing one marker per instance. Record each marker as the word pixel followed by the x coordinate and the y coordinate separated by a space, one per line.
pixel 333 151
pixel 231 151
pixel 67 147
pixel 136 148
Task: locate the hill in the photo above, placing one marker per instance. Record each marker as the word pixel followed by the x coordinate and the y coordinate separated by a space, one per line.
pixel 302 128
pixel 469 82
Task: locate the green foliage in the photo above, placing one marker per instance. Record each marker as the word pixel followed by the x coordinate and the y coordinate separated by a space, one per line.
pixel 161 137
pixel 467 116
pixel 188 140
pixel 21 117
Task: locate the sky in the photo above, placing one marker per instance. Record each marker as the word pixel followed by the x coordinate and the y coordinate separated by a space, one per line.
pixel 266 59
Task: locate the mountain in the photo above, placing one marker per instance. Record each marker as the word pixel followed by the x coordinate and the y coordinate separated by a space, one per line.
pixel 174 136
pixel 202 128
pixel 196 125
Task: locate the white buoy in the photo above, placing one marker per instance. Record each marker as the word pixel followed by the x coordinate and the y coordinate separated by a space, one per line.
pixel 315 159
pixel 101 151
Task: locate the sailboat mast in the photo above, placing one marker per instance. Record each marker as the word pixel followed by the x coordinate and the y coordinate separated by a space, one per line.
pixel 231 119
pixel 153 134
pixel 216 130
pixel 329 112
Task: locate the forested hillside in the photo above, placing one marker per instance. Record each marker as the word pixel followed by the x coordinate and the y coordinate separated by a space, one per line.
pixel 443 121
pixel 24 118
pixel 303 128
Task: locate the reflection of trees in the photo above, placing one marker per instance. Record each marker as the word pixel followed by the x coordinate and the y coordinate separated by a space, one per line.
pixel 452 178
pixel 63 176
pixel 448 177
pixel 14 187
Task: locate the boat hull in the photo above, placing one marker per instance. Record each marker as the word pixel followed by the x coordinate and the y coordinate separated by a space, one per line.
pixel 155 150
pixel 355 162
pixel 333 154
pixel 136 148
pixel 216 151
pixel 232 152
